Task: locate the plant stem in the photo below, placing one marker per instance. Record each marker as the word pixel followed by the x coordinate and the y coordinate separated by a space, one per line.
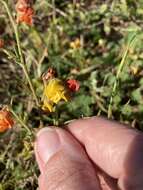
pixel 120 68
pixel 20 121
pixel 22 61
pixel 15 28
pixel 30 83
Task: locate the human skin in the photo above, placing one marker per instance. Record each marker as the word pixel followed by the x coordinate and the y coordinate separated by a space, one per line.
pixel 90 154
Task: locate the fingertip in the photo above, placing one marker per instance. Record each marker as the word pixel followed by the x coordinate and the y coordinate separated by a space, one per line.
pixel 41 150
pixel 43 130
pixel 64 161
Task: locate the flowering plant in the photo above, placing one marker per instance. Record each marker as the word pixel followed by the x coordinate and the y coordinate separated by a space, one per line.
pixel 59 61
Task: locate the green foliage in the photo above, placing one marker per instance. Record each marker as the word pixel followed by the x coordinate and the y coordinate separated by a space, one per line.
pixel 105 30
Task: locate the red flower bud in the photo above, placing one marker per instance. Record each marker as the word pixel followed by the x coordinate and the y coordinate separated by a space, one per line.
pixel 73 85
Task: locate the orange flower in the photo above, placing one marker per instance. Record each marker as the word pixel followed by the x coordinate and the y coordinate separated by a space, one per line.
pixel 24 12
pixel 6 121
pixel 73 85
pixel 1 43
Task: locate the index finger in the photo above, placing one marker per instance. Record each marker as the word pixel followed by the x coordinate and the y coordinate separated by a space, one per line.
pixel 115 148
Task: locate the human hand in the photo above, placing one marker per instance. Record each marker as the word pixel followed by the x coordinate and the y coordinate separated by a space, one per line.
pixel 92 154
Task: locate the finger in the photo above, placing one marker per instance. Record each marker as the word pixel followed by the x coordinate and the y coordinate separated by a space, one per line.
pixel 115 148
pixel 63 162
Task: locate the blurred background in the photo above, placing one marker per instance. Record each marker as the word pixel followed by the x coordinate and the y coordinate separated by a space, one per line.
pixel 81 39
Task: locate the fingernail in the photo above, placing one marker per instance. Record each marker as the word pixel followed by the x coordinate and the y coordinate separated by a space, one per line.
pixel 48 143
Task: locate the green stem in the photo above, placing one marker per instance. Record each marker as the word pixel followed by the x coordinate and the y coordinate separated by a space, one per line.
pixel 120 68
pixel 20 121
pixel 30 83
pixel 15 28
pixel 22 61
pixel 54 12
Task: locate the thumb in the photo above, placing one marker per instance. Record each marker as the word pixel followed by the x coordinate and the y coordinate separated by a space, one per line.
pixel 63 162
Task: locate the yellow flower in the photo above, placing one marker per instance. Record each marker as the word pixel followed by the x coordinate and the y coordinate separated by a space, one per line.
pixel 75 44
pixel 54 92
pixel 134 70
